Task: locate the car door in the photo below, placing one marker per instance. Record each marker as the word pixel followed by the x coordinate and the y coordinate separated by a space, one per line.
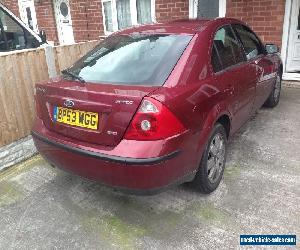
pixel 234 74
pixel 259 62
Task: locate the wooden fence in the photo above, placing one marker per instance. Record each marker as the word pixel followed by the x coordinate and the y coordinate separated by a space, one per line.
pixel 19 71
pixel 74 52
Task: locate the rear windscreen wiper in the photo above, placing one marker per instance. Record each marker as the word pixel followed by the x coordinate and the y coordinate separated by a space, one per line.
pixel 79 78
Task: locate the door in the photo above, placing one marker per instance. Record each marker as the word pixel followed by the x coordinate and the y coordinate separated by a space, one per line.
pixel 293 55
pixel 207 8
pixel 64 21
pixel 260 64
pixel 235 74
pixel 28 14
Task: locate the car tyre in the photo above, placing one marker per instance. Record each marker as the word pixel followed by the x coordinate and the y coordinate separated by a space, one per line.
pixel 213 159
pixel 274 97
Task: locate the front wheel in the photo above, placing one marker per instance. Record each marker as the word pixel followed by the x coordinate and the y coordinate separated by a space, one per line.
pixel 274 97
pixel 213 160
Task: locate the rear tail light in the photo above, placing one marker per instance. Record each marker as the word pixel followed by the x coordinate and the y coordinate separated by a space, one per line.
pixel 153 121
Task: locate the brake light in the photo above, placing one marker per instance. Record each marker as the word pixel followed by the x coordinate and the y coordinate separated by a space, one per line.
pixel 153 121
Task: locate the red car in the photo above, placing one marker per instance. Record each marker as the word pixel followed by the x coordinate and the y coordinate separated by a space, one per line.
pixel 154 106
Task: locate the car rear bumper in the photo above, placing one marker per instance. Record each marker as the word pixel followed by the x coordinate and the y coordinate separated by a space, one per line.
pixel 105 157
pixel 138 175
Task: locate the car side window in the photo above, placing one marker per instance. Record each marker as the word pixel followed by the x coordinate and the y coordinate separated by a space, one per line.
pixel 227 47
pixel 13 36
pixel 215 60
pixel 251 43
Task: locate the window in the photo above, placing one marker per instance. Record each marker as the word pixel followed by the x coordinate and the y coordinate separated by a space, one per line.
pixel 108 16
pixel 13 33
pixel 208 9
pixel 29 18
pixel 13 36
pixel 251 43
pixel 298 26
pixel 132 60
pixel 2 39
pixel 143 8
pixel 215 60
pixel 121 14
pixel 227 47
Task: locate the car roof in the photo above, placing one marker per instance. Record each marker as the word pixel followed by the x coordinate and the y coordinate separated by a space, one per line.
pixel 182 26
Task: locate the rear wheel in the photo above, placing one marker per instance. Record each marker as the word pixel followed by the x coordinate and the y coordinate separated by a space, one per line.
pixel 274 97
pixel 212 164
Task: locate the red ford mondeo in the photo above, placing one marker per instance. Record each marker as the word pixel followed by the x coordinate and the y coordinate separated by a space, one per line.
pixel 153 106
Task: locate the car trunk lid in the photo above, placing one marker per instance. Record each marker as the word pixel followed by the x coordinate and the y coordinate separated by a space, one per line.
pixel 115 106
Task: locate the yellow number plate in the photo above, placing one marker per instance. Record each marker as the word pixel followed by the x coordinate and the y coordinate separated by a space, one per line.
pixel 76 118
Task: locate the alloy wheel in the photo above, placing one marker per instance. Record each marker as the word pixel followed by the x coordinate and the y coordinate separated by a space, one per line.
pixel 216 158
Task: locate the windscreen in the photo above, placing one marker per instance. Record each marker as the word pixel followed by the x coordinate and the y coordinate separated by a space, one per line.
pixel 132 59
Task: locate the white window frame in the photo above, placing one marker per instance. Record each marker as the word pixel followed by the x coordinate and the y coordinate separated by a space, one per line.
pixel 23 4
pixel 133 12
pixel 222 8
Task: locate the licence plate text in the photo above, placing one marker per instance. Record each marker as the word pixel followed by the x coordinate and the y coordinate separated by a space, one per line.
pixel 76 118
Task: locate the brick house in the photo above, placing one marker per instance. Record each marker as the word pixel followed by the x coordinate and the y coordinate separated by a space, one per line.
pixel 68 21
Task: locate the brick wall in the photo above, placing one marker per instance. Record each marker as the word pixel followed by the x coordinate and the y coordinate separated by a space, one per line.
pixel 265 17
pixel 167 10
pixel 87 20
pixel 12 5
pixel 46 19
pixel 87 16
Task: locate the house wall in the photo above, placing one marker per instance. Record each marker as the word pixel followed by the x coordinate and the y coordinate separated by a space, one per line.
pixel 265 17
pixel 46 19
pixel 167 10
pixel 12 6
pixel 87 20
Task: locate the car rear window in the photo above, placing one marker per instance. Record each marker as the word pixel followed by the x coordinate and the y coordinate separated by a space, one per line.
pixel 132 59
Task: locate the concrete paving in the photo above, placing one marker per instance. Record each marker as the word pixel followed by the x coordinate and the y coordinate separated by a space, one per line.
pixel 45 208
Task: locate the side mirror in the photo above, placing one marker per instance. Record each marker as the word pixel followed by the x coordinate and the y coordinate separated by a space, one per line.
pixel 272 48
pixel 43 36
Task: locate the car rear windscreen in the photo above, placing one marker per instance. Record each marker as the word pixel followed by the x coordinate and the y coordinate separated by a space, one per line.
pixel 132 59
